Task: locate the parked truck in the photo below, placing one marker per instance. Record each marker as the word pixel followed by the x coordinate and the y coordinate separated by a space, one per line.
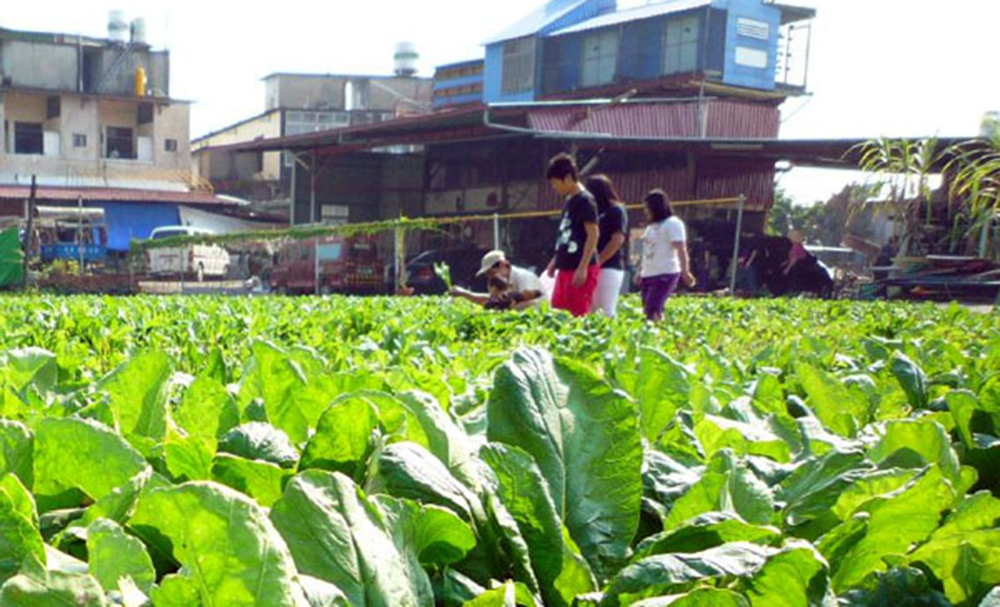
pixel 347 265
pixel 199 261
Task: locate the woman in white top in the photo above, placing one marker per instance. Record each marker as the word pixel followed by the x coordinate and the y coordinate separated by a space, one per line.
pixel 665 259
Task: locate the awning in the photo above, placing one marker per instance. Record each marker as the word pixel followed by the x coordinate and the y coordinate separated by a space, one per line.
pixel 128 221
pixel 219 224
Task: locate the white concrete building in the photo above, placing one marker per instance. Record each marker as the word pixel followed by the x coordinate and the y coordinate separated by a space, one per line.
pixel 87 112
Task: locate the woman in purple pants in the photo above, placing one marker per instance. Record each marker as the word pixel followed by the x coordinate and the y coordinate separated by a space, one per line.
pixel 665 260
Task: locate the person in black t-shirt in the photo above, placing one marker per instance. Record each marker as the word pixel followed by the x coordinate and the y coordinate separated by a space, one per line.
pixel 612 246
pixel 575 263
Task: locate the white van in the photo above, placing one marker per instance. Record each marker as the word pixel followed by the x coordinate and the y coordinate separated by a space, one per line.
pixel 198 260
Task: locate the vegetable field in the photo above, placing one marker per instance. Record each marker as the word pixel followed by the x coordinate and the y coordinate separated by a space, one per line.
pixel 184 452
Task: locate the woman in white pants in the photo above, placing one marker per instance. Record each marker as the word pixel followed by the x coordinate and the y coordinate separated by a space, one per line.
pixel 611 247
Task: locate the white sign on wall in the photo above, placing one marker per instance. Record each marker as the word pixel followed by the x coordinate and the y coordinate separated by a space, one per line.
pixel 751 57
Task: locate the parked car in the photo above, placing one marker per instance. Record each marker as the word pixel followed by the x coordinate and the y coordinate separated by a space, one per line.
pixel 197 260
pixel 464 264
pixel 348 265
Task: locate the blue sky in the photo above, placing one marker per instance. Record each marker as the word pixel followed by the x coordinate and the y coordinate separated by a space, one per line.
pixel 879 67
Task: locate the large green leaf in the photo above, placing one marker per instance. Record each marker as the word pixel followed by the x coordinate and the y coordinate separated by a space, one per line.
pixel 718 433
pixel 662 389
pixel 290 384
pixel 19 535
pixel 336 534
pixel 562 574
pixel 915 443
pixel 343 438
pixel 260 441
pixel 913 380
pixel 511 594
pixel 837 407
pixel 666 573
pixel 437 537
pixel 189 458
pixel 119 505
pixel 229 551
pixel 726 486
pixel 406 470
pixel 795 577
pixel 207 410
pixel 891 526
pixel 964 407
pixel 81 454
pixel 29 367
pixel 816 485
pixel 702 597
pixel 899 586
pixel 586 441
pixel 445 439
pixel 113 555
pixel 17 451
pixel 36 587
pixel 137 395
pixel 964 553
pixel 260 480
pixel 704 532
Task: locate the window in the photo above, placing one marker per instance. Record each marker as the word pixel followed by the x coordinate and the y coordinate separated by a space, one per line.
pixel 53 107
pixel 28 138
pixel 79 141
pixel 120 143
pixel 145 113
pixel 518 66
pixel 170 145
pixel 681 45
pixel 600 58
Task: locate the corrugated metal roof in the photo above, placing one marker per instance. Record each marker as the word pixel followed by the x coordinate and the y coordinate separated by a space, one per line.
pixel 635 14
pixel 725 119
pixel 15 192
pixel 536 21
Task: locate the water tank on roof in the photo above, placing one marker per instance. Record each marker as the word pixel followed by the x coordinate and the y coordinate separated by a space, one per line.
pixel 139 31
pixel 406 59
pixel 118 27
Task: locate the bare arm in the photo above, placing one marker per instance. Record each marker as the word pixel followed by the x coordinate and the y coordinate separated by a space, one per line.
pixel 589 250
pixel 682 255
pixel 476 298
pixel 551 269
pixel 791 263
pixel 614 245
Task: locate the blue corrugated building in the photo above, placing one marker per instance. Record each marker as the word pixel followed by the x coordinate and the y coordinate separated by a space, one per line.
pixel 579 48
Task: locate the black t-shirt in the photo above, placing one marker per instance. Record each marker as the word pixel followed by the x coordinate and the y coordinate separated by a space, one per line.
pixel 614 221
pixel 580 210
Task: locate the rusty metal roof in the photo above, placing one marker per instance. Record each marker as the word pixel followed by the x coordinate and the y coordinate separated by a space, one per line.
pixel 61 194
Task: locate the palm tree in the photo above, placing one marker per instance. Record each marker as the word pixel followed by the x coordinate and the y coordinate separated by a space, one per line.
pixel 975 185
pixel 904 169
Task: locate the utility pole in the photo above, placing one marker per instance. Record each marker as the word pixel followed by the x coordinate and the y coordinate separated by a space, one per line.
pixel 80 248
pixel 29 236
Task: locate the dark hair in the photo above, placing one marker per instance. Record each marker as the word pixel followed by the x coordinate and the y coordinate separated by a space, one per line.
pixel 561 167
pixel 659 206
pixel 603 190
pixel 498 282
